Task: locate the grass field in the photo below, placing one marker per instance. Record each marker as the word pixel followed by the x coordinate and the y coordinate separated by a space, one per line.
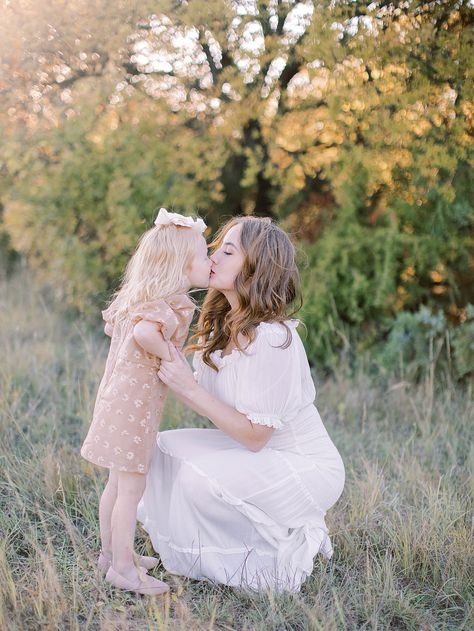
pixel 402 531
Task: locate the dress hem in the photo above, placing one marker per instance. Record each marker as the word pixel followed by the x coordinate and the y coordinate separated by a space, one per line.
pixel 314 539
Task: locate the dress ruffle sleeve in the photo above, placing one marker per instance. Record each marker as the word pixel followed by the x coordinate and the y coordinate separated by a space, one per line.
pixel 108 315
pixel 161 314
pixel 270 379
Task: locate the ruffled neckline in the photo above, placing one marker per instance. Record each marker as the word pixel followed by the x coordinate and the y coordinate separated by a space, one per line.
pixel 221 361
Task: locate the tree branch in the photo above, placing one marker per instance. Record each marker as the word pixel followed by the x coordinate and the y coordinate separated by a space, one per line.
pixel 207 51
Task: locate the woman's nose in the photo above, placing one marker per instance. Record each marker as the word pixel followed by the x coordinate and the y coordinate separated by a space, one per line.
pixel 213 258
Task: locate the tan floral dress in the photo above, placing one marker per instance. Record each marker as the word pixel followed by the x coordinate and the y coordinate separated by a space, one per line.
pixel 131 396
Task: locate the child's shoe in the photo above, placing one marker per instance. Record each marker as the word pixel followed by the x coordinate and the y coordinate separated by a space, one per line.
pixel 105 560
pixel 143 584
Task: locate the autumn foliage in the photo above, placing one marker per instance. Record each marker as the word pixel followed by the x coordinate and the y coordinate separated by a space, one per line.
pixel 349 122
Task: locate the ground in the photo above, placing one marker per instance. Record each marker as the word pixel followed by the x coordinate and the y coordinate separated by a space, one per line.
pixel 402 531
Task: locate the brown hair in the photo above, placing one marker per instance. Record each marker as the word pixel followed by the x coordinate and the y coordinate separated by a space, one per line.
pixel 266 287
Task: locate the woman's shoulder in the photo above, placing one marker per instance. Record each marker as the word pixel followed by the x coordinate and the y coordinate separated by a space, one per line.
pixel 276 329
pixel 273 334
pixel 267 335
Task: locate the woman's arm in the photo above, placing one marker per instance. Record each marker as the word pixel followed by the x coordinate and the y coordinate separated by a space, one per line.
pixel 150 339
pixel 178 376
pixel 228 419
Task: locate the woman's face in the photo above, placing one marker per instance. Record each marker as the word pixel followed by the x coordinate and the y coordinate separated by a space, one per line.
pixel 227 261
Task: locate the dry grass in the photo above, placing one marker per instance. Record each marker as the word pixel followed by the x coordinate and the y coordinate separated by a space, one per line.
pixel 402 531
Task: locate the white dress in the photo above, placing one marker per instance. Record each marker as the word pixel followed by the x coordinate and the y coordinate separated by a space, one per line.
pixel 218 511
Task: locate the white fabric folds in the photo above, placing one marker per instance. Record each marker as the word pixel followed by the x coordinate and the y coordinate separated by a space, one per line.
pixel 215 510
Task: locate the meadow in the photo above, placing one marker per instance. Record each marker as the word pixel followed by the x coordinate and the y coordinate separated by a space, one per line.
pixel 402 531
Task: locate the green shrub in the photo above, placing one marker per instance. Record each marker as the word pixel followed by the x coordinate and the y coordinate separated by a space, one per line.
pixel 362 278
pixel 422 339
pixel 78 217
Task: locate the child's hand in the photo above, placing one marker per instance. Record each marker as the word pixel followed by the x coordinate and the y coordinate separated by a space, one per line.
pixel 177 373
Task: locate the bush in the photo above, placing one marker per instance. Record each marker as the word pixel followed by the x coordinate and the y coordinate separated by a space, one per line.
pixel 78 217
pixel 362 278
pixel 422 339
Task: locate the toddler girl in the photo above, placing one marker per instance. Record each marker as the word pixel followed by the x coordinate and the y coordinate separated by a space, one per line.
pixel 150 310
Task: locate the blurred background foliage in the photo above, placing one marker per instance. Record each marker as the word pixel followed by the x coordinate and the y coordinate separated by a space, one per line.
pixel 351 123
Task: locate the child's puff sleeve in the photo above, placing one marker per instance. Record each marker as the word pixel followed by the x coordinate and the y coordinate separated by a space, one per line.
pixel 108 315
pixel 161 314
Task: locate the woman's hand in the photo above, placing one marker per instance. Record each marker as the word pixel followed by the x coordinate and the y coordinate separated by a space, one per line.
pixel 177 373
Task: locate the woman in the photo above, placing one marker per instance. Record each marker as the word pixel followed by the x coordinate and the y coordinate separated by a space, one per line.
pixel 244 504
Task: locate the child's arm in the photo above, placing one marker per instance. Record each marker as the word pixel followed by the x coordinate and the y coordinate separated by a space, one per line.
pixel 151 339
pixel 108 329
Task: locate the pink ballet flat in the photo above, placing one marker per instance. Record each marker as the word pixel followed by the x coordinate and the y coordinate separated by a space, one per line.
pixel 105 560
pixel 146 585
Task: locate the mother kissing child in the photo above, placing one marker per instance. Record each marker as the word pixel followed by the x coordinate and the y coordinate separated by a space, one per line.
pixel 244 504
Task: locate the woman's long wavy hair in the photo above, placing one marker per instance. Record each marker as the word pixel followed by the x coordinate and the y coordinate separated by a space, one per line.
pixel 157 269
pixel 267 287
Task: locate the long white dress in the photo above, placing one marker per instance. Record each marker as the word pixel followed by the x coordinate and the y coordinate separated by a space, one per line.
pixel 218 511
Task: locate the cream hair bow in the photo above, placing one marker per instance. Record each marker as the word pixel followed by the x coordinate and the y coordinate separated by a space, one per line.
pixel 166 218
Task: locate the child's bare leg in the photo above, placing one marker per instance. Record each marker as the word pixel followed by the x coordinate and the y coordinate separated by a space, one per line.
pixel 123 573
pixel 106 507
pixel 124 519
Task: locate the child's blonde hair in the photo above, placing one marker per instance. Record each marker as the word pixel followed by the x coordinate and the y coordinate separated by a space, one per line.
pixel 157 268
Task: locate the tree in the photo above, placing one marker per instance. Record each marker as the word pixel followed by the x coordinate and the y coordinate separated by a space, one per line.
pixel 350 122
